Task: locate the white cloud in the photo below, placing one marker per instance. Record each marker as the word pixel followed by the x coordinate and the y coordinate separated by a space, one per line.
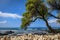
pixel 52 21
pixel 3 22
pixel 9 15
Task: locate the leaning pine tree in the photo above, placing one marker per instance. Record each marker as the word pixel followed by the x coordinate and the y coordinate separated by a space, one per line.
pixel 36 9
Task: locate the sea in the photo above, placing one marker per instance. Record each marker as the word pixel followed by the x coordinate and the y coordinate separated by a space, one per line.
pixel 27 31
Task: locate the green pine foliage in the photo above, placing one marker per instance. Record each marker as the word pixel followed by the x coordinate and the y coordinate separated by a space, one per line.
pixel 37 9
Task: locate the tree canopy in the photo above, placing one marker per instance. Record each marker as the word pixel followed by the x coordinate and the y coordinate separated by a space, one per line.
pixel 55 4
pixel 37 9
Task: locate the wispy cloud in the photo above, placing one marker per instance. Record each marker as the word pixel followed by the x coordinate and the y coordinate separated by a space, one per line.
pixel 9 15
pixel 3 22
pixel 52 21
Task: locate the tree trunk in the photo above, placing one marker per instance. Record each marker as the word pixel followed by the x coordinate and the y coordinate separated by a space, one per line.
pixel 49 27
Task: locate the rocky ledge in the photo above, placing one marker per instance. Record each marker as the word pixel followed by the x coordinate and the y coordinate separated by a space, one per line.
pixel 31 37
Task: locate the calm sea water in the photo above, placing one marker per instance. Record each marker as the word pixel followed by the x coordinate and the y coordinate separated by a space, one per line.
pixel 21 31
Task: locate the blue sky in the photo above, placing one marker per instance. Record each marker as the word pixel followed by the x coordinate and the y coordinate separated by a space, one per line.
pixel 11 13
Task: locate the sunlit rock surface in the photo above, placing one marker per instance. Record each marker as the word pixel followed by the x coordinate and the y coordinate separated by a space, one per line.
pixel 31 37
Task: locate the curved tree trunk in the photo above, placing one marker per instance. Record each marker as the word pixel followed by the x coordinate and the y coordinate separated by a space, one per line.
pixel 49 27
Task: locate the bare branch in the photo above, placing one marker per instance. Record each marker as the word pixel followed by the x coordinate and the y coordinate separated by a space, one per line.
pixel 54 16
pixel 36 19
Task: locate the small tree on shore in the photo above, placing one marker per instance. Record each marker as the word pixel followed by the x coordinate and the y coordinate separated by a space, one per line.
pixel 37 9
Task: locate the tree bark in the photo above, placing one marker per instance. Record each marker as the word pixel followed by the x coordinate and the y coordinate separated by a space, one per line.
pixel 49 27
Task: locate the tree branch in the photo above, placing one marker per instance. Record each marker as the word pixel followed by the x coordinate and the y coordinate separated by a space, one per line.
pixel 36 19
pixel 49 27
pixel 53 16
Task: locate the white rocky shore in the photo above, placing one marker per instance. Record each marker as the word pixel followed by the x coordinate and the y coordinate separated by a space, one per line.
pixel 32 37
